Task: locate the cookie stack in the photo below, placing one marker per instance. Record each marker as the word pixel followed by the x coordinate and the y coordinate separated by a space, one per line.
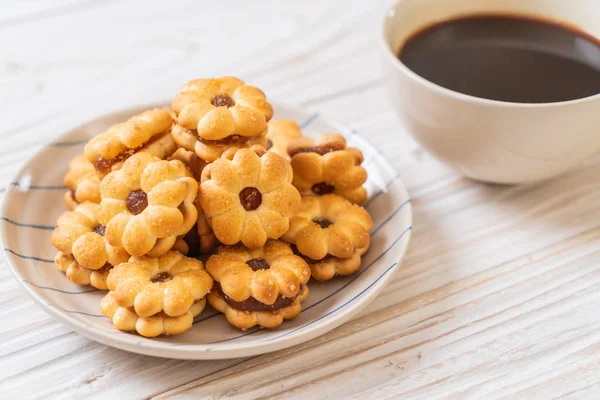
pixel 212 178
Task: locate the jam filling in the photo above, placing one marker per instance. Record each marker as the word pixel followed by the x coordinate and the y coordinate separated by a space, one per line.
pixel 231 140
pixel 322 188
pixel 162 277
pixel 222 100
pixel 258 263
pixel 100 230
pixel 104 165
pixel 73 197
pixel 251 304
pixel 137 201
pixel 250 198
pixel 269 144
pixel 323 223
pixel 322 150
pixel 192 239
pixel 106 267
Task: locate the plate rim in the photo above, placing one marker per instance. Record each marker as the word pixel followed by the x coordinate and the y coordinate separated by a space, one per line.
pixel 192 351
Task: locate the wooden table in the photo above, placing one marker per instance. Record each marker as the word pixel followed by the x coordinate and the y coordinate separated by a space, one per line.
pixel 499 295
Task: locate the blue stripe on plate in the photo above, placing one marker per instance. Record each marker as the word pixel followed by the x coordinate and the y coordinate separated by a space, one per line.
pixel 29 257
pixel 68 144
pixel 381 191
pixel 309 121
pixel 83 313
pixel 59 290
pixel 22 225
pixel 205 318
pixel 38 187
pixel 400 207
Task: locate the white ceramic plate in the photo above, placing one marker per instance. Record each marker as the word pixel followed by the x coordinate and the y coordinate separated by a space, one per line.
pixel 35 199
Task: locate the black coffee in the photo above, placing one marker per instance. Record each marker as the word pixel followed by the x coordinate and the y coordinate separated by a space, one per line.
pixel 507 58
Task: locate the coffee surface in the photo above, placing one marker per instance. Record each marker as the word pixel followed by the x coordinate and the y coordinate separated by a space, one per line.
pixel 506 58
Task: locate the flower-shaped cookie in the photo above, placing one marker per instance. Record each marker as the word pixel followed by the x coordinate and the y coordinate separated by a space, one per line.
pixel 125 319
pixel 248 198
pixel 328 166
pixel 147 204
pixel 84 254
pixel 330 266
pixel 263 273
pixel 170 284
pixel 218 108
pixel 257 282
pixel 148 131
pixel 280 134
pixel 213 114
pixel 329 225
pixel 82 181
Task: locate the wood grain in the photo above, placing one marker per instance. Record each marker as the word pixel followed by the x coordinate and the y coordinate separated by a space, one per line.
pixel 497 298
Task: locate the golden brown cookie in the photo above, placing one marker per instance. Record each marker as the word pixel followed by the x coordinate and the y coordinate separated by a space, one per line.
pixel 280 134
pixel 84 254
pixel 213 114
pixel 261 286
pixel 169 283
pixel 125 319
pixel 329 225
pixel 330 266
pixel 147 204
pixel 83 183
pixel 327 166
pixel 248 198
pixel 149 131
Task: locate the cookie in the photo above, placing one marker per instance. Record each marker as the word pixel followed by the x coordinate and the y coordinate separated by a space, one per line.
pixel 156 295
pixel 125 319
pixel 147 204
pixel 84 254
pixel 327 166
pixel 330 266
pixel 329 225
pixel 280 134
pixel 258 286
pixel 213 114
pixel 249 198
pixel 83 183
pixel 149 131
pixel 170 283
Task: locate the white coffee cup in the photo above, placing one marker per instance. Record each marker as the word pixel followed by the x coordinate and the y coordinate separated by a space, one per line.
pixel 484 139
